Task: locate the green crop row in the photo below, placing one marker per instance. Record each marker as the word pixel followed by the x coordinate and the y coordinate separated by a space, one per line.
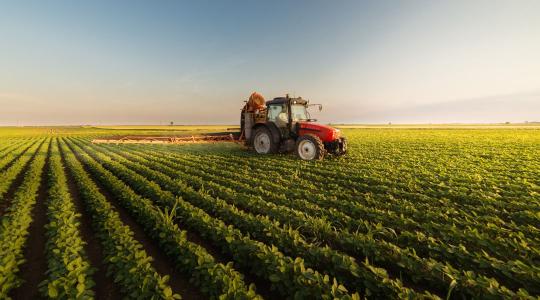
pixel 10 150
pixel 417 207
pixel 381 202
pixel 406 214
pixel 288 240
pixel 15 222
pixel 438 275
pixel 288 276
pixel 128 263
pixel 214 279
pixel 69 271
pixel 269 167
pixel 8 176
pixel 511 271
pixel 514 272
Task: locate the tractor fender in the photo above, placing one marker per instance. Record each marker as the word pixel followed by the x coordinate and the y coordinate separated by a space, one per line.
pixel 276 135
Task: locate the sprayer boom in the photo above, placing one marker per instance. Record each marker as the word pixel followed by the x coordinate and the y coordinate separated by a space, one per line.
pixel 139 139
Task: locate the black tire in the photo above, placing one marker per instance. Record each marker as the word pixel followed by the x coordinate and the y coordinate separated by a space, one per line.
pixel 310 147
pixel 263 145
pixel 342 149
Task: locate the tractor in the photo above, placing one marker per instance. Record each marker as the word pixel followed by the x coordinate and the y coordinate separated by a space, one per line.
pixel 284 125
pixel 281 125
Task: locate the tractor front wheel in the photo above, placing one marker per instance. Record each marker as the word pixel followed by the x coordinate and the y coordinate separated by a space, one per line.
pixel 310 147
pixel 342 147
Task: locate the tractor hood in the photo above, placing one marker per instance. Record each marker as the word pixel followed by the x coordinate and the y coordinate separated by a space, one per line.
pixel 324 132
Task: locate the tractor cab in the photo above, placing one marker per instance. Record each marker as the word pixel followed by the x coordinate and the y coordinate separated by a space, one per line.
pixel 285 125
pixel 286 113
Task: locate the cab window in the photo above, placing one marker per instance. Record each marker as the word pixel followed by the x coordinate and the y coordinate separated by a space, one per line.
pixel 277 113
pixel 299 113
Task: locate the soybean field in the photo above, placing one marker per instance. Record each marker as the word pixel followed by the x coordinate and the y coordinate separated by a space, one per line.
pixel 430 213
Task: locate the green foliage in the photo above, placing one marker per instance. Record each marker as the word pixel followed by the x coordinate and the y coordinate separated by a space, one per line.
pixel 364 239
pixel 15 160
pixel 69 272
pixel 409 213
pixel 215 279
pixel 128 264
pixel 261 228
pixel 262 260
pixel 15 222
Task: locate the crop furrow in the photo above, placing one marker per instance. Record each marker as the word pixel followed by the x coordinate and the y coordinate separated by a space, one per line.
pixel 14 154
pixel 128 264
pixel 288 276
pixel 287 239
pixel 216 280
pixel 15 223
pixel 8 176
pixel 513 271
pixel 9 148
pixel 446 231
pixel 366 183
pixel 304 222
pixel 270 189
pixel 69 272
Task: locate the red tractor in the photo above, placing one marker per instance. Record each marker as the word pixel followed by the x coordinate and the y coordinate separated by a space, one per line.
pixel 284 125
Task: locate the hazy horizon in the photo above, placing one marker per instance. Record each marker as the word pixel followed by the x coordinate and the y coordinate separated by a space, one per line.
pixel 367 62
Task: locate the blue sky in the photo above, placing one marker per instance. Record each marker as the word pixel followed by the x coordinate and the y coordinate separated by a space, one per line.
pixel 193 62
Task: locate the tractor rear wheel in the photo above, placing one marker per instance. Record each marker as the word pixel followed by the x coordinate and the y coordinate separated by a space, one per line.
pixel 310 147
pixel 263 142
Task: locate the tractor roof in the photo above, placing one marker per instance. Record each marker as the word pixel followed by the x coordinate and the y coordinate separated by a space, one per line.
pixel 282 100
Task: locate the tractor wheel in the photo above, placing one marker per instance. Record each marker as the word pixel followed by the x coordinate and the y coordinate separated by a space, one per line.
pixel 310 147
pixel 263 143
pixel 342 148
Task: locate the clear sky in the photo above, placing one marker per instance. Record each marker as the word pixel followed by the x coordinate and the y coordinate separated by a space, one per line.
pixel 151 62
